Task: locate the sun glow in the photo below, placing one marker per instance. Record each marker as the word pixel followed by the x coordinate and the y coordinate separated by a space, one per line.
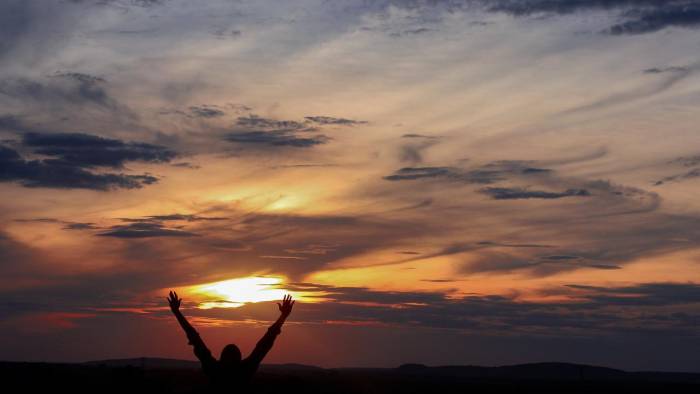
pixel 234 293
pixel 237 292
pixel 287 203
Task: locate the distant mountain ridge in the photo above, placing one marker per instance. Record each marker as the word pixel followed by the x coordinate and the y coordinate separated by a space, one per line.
pixel 171 363
pixel 146 362
pixel 533 371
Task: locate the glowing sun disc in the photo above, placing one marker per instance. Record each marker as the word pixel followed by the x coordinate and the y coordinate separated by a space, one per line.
pixel 237 292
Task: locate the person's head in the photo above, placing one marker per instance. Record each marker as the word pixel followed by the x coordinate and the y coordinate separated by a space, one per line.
pixel 230 355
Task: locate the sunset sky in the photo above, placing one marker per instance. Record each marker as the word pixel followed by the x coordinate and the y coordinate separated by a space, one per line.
pixel 444 182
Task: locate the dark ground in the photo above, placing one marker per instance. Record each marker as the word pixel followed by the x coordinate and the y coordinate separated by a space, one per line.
pixel 176 376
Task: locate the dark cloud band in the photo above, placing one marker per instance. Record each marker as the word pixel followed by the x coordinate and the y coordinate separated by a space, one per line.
pixel 72 158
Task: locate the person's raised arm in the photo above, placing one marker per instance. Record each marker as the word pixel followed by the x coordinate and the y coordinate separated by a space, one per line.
pixel 265 343
pixel 200 349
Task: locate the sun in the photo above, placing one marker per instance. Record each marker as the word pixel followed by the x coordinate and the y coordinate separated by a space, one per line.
pixel 234 293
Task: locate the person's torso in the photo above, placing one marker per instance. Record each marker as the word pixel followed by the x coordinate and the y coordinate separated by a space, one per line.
pixel 237 377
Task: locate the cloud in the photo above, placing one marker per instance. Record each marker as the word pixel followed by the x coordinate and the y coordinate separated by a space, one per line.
pixel 14 21
pixel 694 173
pixel 206 111
pixel 256 130
pixel 144 227
pixel 645 294
pixel 661 70
pixel 579 309
pixel 80 226
pixel 12 122
pixel 68 225
pixel 144 230
pixel 690 162
pixel 413 173
pixel 179 216
pixel 413 135
pixel 484 174
pixel 419 30
pixel 47 173
pixel 64 88
pixel 223 33
pixel 329 120
pixel 529 7
pixel 136 3
pixel 584 310
pixel 86 150
pixel 150 226
pixel 605 266
pixel 518 193
pixel 83 78
pixel 186 164
pixel 511 245
pixel 535 266
pixel 561 257
pixel 276 138
pixel 684 14
pixel 641 230
pixel 638 17
pixel 412 150
pixel 667 80
pixel 73 157
pixel 34 30
pixel 257 122
pixel 38 220
pixel 686 161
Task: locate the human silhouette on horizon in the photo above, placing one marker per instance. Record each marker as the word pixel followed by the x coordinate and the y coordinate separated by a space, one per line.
pixel 230 371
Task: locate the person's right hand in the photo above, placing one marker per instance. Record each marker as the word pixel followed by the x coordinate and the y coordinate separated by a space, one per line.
pixel 174 301
pixel 286 305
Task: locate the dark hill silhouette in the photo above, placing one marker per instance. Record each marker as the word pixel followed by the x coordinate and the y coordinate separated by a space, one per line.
pixel 170 363
pixel 535 371
pixel 160 375
pixel 147 363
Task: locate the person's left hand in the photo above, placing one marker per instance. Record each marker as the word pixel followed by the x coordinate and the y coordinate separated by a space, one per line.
pixel 174 301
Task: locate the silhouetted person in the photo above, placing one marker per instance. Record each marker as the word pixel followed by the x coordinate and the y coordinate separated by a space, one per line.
pixel 230 372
